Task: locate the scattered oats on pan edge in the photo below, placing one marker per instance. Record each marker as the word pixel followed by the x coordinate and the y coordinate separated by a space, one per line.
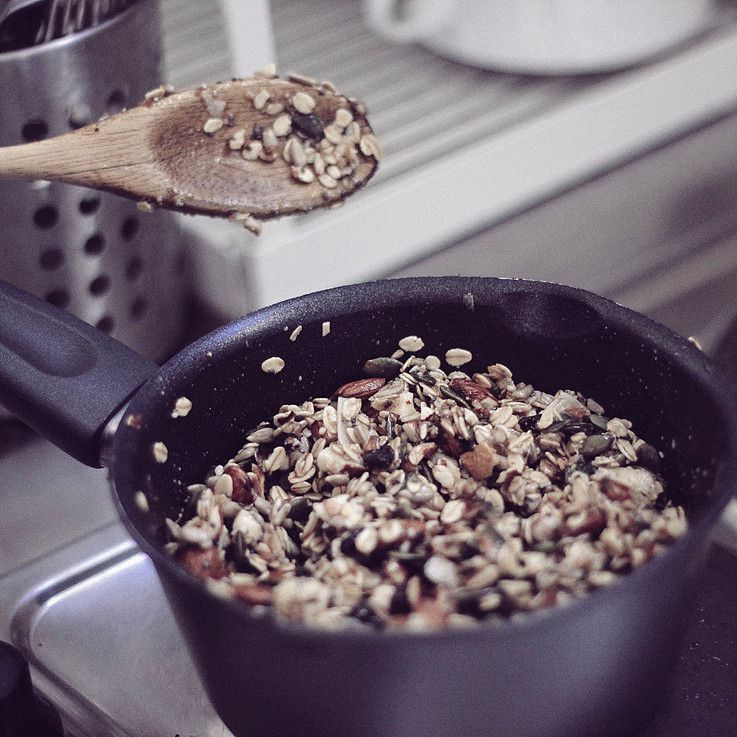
pixel 160 452
pixel 182 407
pixel 272 365
pixel 458 356
pixel 141 502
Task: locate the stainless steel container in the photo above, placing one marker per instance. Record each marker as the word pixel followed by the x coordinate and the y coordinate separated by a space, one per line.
pixel 94 254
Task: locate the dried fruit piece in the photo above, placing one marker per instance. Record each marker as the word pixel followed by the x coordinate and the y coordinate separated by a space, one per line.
pixel 480 461
pixel 203 563
pixel 241 492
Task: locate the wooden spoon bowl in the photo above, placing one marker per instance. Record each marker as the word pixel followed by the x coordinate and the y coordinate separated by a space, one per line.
pixel 247 149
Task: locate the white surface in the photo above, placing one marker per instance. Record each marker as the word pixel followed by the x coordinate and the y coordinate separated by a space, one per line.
pixel 543 36
pixel 466 150
pixel 415 206
pixel 249 34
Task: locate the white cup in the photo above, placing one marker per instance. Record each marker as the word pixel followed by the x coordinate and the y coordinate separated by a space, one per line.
pixel 542 36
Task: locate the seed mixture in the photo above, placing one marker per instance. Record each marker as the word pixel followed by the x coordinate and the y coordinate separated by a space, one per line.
pixel 317 150
pixel 418 498
pixel 326 152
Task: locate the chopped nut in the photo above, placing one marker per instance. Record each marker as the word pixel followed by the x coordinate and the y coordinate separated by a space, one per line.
pixel 480 461
pixel 362 388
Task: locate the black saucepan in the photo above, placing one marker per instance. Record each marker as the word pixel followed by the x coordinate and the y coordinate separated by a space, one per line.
pixel 596 667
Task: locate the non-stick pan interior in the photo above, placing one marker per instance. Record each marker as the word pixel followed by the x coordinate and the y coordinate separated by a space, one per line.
pixel 553 337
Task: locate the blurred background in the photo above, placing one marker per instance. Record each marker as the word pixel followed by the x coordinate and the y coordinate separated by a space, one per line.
pixel 584 143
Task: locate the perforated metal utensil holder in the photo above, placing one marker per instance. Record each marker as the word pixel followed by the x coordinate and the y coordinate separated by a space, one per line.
pixel 91 253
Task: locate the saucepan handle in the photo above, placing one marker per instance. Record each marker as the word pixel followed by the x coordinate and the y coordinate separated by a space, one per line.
pixel 60 375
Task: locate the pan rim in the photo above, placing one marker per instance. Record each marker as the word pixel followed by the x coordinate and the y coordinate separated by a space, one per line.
pixel 686 355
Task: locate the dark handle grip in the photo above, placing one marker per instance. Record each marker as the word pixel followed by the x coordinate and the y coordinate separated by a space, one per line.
pixel 60 375
pixel 22 713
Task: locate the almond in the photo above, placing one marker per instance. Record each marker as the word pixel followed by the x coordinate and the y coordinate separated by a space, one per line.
pixel 469 390
pixel 362 388
pixel 593 522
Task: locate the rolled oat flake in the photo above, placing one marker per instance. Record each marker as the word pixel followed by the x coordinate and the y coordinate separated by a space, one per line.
pixel 411 344
pixel 458 356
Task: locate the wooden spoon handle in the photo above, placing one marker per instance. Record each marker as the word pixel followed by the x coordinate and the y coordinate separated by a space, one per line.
pixel 98 156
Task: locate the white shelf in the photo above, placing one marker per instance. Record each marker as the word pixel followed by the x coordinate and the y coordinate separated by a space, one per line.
pixel 465 149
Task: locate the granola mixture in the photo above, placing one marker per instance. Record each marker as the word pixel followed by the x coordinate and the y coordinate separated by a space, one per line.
pixel 417 498
pixel 317 150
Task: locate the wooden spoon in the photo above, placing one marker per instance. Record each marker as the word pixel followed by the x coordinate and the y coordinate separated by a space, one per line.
pixel 218 150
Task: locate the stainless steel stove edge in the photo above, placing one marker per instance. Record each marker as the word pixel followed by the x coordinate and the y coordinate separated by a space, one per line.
pixel 25 591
